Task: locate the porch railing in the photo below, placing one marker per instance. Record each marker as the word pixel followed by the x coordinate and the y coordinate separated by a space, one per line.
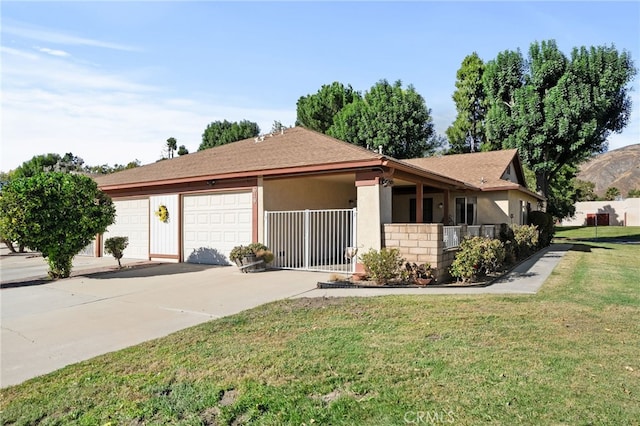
pixel 453 235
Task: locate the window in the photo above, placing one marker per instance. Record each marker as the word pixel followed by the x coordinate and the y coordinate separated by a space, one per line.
pixel 466 210
pixel 427 210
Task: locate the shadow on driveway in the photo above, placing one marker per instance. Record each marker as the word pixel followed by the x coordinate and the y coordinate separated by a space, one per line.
pixel 151 270
pixel 135 270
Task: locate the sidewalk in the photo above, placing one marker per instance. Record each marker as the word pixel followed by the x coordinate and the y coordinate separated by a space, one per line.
pixel 49 324
pixel 526 278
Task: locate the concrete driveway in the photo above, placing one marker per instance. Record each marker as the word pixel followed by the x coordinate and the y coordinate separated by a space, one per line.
pixel 48 326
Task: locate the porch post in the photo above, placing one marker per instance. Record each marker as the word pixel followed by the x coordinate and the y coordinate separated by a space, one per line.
pixel 419 201
pixel 445 211
pixel 374 209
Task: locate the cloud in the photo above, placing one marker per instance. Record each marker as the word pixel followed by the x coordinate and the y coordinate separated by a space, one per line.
pixel 57 37
pixel 60 106
pixel 53 52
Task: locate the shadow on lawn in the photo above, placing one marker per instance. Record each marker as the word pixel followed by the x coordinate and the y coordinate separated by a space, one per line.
pixel 587 248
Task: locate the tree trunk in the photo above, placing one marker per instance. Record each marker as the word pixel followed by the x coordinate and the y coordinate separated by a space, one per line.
pixel 542 183
pixel 9 245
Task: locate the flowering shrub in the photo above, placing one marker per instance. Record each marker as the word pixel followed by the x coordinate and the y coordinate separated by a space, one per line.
pixel 382 265
pixel 525 238
pixel 477 257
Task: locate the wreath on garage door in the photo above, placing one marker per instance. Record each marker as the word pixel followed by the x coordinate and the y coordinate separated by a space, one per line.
pixel 163 213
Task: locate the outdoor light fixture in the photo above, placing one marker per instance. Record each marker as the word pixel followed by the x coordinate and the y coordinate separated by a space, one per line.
pixel 211 182
pixel 440 205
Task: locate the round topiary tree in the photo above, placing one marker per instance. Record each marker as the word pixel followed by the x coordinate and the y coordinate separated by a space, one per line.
pixel 115 246
pixel 57 214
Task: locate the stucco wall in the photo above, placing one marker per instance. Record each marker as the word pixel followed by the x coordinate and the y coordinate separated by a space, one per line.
pixel 307 193
pixel 493 207
pixel 374 209
pixel 621 213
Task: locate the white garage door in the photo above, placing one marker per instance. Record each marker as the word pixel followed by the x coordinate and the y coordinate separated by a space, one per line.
pixel 132 220
pixel 214 224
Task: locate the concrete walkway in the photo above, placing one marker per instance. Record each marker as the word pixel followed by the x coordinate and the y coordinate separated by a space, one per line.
pixel 526 278
pixel 48 325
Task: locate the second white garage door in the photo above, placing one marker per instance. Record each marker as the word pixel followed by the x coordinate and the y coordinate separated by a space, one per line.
pixel 214 224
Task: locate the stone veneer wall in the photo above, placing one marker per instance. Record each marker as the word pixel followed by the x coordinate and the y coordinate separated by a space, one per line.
pixel 420 243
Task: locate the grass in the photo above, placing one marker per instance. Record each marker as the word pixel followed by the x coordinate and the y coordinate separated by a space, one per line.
pixel 568 355
pixel 628 233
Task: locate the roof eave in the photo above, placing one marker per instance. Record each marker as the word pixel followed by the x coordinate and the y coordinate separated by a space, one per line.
pixel 297 170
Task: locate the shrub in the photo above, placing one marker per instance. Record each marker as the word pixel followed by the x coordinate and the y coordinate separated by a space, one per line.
pixel 526 240
pixel 57 214
pixel 254 249
pixel 546 229
pixel 415 272
pixel 238 252
pixel 383 265
pixel 115 246
pixel 507 239
pixel 477 257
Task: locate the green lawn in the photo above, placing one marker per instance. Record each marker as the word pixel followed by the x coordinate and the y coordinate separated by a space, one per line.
pixel 566 356
pixel 629 233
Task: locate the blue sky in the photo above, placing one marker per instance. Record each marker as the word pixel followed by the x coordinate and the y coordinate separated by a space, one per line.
pixel 111 81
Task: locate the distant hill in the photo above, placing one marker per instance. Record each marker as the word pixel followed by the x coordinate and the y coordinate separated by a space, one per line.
pixel 619 168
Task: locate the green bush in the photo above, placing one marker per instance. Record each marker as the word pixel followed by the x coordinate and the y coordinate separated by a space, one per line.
pixel 383 265
pixel 477 257
pixel 115 246
pixel 525 238
pixel 544 222
pixel 57 214
pixel 253 249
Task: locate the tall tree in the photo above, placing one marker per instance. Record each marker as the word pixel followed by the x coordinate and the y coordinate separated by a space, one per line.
pixel 466 134
pixel 57 214
pixel 316 112
pixel 223 132
pixel 556 110
pixel 172 145
pixel 390 117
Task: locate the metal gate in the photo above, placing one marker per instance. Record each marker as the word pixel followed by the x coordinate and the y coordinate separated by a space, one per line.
pixel 312 240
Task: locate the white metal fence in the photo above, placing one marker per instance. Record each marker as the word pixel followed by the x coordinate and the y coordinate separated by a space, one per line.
pixel 453 235
pixel 312 240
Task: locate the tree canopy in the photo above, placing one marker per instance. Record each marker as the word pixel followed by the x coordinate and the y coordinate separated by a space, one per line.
pixel 223 132
pixel 57 214
pixel 387 116
pixel 557 110
pixel 466 134
pixel 317 111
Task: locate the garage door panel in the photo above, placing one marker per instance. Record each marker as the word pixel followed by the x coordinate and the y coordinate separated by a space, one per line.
pixel 222 221
pixel 132 221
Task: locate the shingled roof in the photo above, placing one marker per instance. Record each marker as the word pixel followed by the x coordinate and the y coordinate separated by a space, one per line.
pixel 300 150
pixel 482 170
pixel 273 152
